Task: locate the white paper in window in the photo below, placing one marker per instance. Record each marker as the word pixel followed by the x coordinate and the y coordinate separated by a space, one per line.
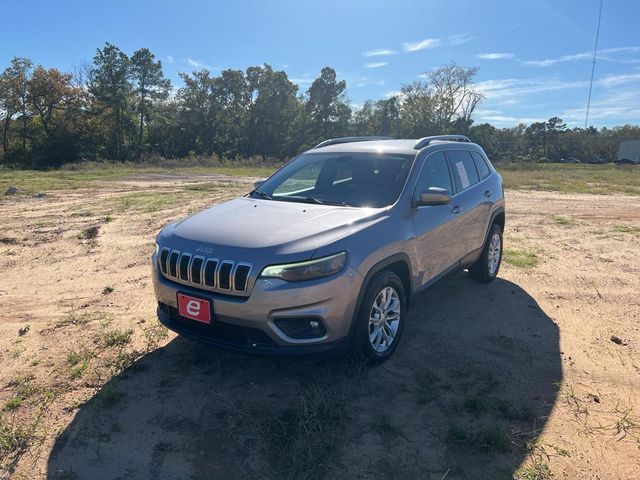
pixel 463 174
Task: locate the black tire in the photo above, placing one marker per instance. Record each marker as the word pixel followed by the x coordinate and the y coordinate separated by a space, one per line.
pixel 361 345
pixel 481 271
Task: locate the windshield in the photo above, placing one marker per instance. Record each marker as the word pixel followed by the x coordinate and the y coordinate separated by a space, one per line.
pixel 350 179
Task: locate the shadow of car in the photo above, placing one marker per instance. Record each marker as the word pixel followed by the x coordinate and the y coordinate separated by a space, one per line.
pixel 474 382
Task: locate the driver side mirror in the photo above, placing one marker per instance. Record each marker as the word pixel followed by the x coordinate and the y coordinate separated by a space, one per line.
pixel 434 196
pixel 257 183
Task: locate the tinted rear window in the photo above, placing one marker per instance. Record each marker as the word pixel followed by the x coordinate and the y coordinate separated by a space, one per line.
pixel 481 165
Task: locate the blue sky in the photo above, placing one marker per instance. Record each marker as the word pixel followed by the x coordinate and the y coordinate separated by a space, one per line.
pixel 534 57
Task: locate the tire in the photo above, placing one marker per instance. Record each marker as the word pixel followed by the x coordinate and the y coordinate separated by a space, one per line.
pixel 487 266
pixel 366 344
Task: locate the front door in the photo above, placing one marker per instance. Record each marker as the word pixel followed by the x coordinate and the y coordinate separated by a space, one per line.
pixel 436 228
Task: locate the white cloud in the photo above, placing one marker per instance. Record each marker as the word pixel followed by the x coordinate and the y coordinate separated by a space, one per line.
pixel 392 93
pixel 459 39
pixel 375 64
pixel 171 59
pixel 302 81
pixel 617 105
pixel 500 120
pixel 195 64
pixel 421 45
pixel 366 81
pixel 604 54
pixel 495 56
pixel 379 52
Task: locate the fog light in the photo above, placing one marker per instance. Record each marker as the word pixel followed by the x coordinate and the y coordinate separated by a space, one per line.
pixel 302 327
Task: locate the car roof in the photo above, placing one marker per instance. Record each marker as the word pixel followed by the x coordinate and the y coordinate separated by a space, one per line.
pixel 399 146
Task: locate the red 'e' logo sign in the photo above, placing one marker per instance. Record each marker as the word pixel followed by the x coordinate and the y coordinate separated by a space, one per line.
pixel 194 308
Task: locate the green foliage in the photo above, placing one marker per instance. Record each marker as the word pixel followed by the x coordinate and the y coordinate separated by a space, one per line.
pixel 118 108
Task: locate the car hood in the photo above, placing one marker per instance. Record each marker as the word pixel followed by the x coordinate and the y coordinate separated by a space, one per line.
pixel 267 227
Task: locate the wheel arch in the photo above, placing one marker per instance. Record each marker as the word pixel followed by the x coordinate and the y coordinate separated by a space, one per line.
pixel 398 264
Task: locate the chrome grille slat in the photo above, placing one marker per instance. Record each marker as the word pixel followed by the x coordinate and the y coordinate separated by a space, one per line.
pixel 183 270
pixel 208 273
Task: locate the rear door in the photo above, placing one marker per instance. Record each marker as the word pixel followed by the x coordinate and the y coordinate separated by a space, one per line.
pixel 468 200
pixel 436 229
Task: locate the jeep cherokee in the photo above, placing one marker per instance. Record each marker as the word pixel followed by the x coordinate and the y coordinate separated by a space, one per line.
pixel 328 252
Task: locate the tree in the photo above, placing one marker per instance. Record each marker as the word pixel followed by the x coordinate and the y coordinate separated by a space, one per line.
pixel 453 94
pixel 111 89
pixel 13 97
pixel 151 85
pixel 416 110
pixel 272 112
pixel 50 91
pixel 327 104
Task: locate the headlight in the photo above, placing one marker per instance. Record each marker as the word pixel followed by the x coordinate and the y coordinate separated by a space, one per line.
pixel 157 250
pixel 309 270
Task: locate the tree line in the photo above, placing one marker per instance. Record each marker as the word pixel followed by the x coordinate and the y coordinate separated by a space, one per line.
pixel 120 107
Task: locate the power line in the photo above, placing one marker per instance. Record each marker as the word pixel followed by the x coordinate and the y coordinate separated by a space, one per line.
pixel 593 65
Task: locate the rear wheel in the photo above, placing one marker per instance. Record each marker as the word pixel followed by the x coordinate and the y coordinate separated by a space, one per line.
pixel 487 266
pixel 380 320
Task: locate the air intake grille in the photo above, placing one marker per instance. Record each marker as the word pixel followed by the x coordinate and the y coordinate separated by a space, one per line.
pixel 208 273
pixel 218 330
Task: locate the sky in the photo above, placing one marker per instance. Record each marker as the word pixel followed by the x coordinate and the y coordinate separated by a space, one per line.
pixel 534 57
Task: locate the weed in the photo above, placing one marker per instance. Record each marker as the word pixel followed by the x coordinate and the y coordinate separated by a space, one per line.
pixel 78 363
pixel 13 403
pixel 427 389
pixel 536 470
pixel 385 428
pixel 107 290
pixel 476 404
pixel 22 331
pixel 13 439
pixel 73 318
pixel 520 258
pixel 89 233
pixel 633 229
pixel 108 396
pixel 307 436
pixel 509 411
pixel 624 423
pixel 118 338
pixel 108 219
pixel 561 220
pixel 483 439
pixel 154 334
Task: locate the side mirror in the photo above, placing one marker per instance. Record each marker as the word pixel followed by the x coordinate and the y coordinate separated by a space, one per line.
pixel 434 196
pixel 257 183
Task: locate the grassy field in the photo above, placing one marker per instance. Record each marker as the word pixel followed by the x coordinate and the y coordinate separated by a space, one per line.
pixel 598 179
pixel 520 379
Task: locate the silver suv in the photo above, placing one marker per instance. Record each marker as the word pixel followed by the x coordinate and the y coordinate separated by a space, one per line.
pixel 327 254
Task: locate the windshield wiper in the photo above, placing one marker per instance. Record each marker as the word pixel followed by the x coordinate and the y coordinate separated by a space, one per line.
pixel 261 194
pixel 323 202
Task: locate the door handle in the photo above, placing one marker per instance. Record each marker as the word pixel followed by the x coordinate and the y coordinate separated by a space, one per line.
pixel 487 193
pixel 456 209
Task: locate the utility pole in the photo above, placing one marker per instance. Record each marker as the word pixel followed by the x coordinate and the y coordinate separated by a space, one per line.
pixel 593 65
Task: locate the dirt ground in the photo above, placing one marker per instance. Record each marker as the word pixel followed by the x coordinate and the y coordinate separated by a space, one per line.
pixel 534 376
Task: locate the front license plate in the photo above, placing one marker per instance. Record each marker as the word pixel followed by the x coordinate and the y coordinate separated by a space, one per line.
pixel 194 308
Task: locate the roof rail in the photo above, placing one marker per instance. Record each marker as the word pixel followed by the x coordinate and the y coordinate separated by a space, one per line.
pixel 336 141
pixel 423 142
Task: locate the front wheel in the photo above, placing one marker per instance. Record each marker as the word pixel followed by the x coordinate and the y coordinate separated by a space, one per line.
pixel 487 266
pixel 380 319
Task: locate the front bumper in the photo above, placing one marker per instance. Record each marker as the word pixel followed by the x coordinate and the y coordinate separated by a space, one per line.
pixel 248 323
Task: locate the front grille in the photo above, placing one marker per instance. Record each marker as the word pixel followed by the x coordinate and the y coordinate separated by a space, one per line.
pixel 208 273
pixel 218 330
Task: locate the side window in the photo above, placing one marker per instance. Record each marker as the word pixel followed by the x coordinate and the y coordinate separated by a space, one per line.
pixel 481 165
pixel 434 173
pixel 464 169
